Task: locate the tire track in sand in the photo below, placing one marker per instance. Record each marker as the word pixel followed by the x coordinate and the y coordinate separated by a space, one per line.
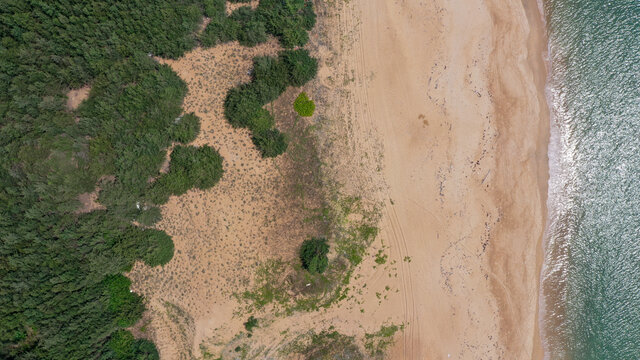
pixel 410 338
pixel 365 119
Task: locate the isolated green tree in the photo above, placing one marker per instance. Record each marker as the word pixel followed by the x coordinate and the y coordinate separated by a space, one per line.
pixel 313 254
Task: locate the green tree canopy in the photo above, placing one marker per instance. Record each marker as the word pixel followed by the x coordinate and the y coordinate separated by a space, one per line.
pixel 313 254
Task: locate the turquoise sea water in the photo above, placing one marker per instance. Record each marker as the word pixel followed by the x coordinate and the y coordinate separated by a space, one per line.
pixel 590 305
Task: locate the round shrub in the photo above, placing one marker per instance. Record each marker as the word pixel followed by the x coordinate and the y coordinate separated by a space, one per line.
pixel 159 248
pixel 190 166
pixel 313 254
pixel 270 142
pixel 241 105
pixel 301 66
pixel 303 105
pixel 201 165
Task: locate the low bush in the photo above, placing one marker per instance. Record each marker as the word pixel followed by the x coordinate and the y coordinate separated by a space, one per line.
pixel 303 105
pixel 271 142
pixel 261 121
pixel 160 247
pixel 288 20
pixel 241 105
pixel 251 30
pixel 220 30
pixel 300 65
pixel 250 323
pixel 313 254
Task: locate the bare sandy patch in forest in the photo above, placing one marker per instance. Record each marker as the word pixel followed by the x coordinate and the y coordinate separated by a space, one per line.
pixel 231 7
pixel 76 96
pixel 88 202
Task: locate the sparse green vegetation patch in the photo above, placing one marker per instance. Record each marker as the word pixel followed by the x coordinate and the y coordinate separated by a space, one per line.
pixel 250 323
pixel 326 345
pixel 377 343
pixel 289 287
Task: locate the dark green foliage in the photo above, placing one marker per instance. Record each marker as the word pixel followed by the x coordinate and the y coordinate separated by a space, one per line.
pixel 288 20
pixel 191 166
pixel 185 128
pixel 215 8
pixel 149 216
pixel 160 248
pixel 250 323
pixel 271 142
pixel 313 254
pixel 285 17
pixel 300 65
pixel 125 347
pixel 261 121
pixel 243 106
pixel 61 292
pixel 303 105
pixel 219 30
pixel 126 306
pixel 250 30
pixel 270 78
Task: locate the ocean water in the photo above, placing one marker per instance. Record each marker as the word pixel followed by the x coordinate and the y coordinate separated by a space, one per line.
pixel 590 294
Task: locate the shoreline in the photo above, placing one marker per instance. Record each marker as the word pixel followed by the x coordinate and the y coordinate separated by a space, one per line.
pixel 541 45
pixel 537 62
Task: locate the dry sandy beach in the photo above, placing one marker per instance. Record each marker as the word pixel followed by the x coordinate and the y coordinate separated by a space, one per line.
pixel 441 111
pixel 456 91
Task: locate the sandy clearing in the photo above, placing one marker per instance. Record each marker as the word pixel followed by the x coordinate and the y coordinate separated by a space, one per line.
pixel 76 96
pixel 221 235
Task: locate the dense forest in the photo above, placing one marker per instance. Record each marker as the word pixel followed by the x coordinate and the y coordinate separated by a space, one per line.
pixel 62 292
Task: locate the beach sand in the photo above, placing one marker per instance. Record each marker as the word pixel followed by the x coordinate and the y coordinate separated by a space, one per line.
pixel 455 90
pixel 434 110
